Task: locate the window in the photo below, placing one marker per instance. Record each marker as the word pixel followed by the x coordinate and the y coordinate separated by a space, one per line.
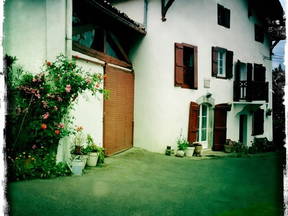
pixel 223 16
pixel 258 122
pixel 202 123
pixel 259 33
pixel 186 66
pixel 222 63
pixel 221 72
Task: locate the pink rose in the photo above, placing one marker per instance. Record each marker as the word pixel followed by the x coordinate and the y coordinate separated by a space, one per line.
pixel 68 88
pixel 45 116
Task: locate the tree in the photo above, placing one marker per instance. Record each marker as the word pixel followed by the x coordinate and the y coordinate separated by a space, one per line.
pixel 278 107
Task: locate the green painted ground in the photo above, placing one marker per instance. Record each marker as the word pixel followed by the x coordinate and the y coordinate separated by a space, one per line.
pixel 138 182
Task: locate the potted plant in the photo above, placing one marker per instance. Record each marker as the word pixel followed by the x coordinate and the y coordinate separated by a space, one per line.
pixel 182 145
pixel 198 149
pixel 189 150
pixel 79 157
pixel 93 151
pixel 229 146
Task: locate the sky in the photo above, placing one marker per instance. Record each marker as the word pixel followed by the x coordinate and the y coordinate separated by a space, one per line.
pixel 278 57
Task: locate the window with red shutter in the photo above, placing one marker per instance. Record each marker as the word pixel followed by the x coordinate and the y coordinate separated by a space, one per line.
pixel 186 74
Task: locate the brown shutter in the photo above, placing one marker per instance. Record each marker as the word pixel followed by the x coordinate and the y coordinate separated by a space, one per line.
pixel 258 122
pixel 227 18
pixel 229 64
pixel 220 13
pixel 195 74
pixel 249 72
pixel 193 122
pixel 214 61
pixel 179 65
pixel 259 73
pixel 220 128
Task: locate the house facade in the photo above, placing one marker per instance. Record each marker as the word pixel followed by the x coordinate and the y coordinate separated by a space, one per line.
pixel 198 68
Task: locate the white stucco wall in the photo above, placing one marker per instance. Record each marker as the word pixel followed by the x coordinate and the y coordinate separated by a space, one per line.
pixel 35 31
pixel 161 110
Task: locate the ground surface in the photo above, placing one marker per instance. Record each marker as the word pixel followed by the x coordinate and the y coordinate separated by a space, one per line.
pixel 138 182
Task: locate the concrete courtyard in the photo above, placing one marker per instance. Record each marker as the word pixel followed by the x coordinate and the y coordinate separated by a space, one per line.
pixel 142 183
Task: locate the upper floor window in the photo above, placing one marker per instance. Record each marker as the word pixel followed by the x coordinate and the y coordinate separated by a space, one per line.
pixel 223 16
pixel 186 66
pixel 259 33
pixel 222 63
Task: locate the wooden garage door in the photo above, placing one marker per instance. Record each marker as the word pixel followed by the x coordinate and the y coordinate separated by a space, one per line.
pixel 118 110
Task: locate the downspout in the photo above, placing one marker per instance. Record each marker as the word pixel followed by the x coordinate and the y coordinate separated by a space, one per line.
pixel 68 28
pixel 145 13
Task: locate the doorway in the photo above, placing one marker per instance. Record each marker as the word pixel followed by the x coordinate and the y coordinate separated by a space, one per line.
pixel 243 129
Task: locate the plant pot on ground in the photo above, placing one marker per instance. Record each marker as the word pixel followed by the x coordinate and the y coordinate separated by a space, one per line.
pixel 93 151
pixel 189 150
pixel 229 146
pixel 182 145
pixel 78 164
pixel 198 149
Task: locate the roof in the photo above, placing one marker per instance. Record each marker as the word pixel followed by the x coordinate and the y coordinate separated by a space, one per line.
pixel 268 9
pixel 106 7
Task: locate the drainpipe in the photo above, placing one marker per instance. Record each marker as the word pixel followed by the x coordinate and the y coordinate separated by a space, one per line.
pixel 145 13
pixel 68 29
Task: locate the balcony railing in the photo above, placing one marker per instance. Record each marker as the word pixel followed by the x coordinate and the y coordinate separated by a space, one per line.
pixel 250 90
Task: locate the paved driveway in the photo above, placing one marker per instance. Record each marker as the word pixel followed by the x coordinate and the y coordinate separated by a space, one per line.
pixel 138 182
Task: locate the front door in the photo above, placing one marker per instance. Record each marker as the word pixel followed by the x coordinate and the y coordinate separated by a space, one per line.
pixel 118 110
pixel 243 129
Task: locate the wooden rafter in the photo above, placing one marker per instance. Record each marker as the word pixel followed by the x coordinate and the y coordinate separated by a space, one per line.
pixel 165 6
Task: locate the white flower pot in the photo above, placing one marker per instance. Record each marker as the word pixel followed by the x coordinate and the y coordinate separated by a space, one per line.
pixel 92 159
pixel 180 153
pixel 189 151
pixel 78 166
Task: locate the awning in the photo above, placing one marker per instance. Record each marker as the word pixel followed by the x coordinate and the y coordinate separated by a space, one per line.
pixel 249 108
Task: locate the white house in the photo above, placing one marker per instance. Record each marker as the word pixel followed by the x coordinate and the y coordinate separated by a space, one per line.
pixel 201 68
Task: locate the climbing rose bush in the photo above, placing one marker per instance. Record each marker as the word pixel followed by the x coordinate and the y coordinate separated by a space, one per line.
pixel 39 105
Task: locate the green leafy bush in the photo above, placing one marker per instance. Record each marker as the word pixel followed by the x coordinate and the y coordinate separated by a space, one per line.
pixel 36 163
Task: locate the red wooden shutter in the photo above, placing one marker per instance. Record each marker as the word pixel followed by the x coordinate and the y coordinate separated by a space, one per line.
pixel 195 74
pixel 220 128
pixel 229 64
pixel 179 65
pixel 193 122
pixel 214 61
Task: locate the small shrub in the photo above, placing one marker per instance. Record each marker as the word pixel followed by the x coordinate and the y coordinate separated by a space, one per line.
pixel 36 163
pixel 182 143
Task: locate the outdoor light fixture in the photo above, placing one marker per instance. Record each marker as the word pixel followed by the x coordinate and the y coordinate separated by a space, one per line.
pixel 208 95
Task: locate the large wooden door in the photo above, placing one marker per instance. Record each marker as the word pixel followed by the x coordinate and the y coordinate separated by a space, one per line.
pixel 118 110
pixel 220 126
